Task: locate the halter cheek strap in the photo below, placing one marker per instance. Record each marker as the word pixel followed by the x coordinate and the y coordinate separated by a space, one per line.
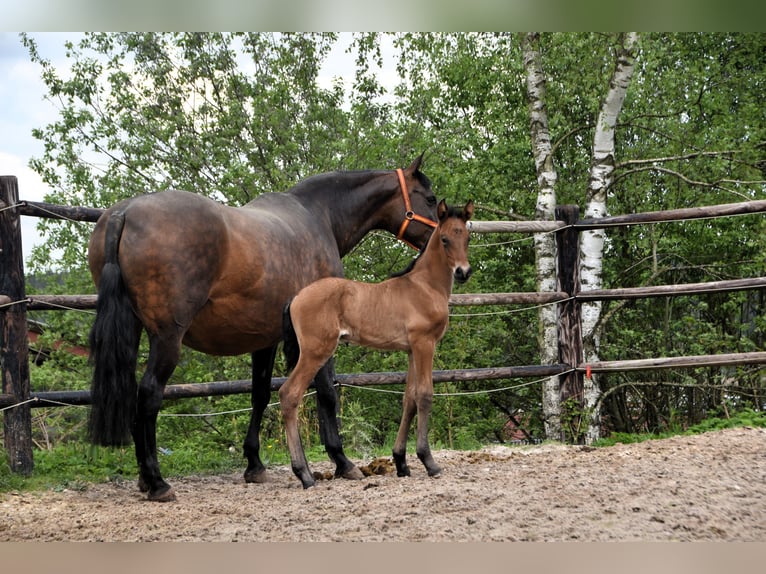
pixel 409 215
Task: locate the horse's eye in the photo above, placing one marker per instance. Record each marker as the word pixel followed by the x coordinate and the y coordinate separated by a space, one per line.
pixel 431 200
pixel 445 241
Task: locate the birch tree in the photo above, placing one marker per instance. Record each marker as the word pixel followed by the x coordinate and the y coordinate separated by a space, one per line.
pixel 592 241
pixel 545 245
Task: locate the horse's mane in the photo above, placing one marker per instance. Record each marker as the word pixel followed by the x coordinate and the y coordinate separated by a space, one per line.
pixel 347 179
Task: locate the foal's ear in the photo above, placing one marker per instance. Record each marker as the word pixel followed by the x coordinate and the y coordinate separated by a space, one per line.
pixel 442 210
pixel 468 210
pixel 415 165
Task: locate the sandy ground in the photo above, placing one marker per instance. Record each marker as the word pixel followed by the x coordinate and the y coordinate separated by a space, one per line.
pixel 707 487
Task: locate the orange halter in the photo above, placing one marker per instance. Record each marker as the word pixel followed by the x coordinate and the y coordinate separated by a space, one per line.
pixel 409 215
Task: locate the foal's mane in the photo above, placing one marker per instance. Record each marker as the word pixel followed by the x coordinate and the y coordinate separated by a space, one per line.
pixel 452 211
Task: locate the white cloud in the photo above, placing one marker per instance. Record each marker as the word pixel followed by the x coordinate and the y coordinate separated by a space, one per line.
pixel 31 188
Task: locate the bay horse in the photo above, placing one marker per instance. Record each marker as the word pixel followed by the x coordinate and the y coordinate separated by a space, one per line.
pixel 188 270
pixel 407 312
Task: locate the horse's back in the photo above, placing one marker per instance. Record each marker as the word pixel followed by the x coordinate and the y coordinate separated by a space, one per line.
pixel 219 275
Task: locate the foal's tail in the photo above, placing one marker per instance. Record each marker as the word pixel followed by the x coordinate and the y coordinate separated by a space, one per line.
pixel 292 349
pixel 114 342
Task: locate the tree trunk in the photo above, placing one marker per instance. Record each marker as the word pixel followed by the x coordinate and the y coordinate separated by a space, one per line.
pixel 592 241
pixel 544 243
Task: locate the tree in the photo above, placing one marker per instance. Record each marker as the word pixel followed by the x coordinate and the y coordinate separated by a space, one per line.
pixel 592 241
pixel 545 246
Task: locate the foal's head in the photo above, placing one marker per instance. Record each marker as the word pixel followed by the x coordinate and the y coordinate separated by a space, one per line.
pixel 454 237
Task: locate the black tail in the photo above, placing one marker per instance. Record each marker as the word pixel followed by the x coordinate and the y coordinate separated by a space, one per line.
pixel 292 349
pixel 114 342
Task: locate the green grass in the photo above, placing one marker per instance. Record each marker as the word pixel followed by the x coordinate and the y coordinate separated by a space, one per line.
pixel 746 417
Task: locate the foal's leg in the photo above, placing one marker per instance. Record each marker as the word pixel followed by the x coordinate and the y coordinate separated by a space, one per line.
pixel 163 358
pixel 418 398
pixel 290 396
pixel 327 409
pixel 409 408
pixel 423 354
pixel 263 366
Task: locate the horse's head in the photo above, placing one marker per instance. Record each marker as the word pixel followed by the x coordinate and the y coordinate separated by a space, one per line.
pixel 418 204
pixel 454 237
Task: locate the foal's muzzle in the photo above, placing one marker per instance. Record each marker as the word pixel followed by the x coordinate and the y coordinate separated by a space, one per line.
pixel 462 274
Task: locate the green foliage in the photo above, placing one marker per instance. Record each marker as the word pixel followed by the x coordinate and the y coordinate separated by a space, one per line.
pixel 357 432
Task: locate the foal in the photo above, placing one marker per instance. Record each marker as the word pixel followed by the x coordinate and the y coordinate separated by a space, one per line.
pixel 408 312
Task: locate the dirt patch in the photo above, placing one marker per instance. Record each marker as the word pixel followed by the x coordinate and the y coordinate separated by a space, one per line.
pixel 705 487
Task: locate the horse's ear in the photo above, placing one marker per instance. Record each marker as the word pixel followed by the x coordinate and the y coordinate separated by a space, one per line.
pixel 415 165
pixel 468 210
pixel 442 210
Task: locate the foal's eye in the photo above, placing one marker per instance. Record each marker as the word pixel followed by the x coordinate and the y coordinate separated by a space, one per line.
pixel 445 241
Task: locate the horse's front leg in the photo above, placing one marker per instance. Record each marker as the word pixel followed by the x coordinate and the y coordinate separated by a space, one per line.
pixel 409 408
pixel 263 367
pixel 425 399
pixel 327 409
pixel 424 394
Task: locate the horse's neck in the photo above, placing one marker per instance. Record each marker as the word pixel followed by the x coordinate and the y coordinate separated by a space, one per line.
pixel 433 268
pixel 354 211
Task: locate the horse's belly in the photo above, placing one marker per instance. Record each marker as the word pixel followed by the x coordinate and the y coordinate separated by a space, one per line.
pixel 221 331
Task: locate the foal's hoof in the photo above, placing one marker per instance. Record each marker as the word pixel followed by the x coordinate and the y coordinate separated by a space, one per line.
pixel 162 495
pixel 352 474
pixel 256 477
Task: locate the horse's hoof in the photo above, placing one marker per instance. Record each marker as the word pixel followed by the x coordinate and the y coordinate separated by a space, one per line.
pixel 435 472
pixel 162 495
pixel 257 477
pixel 353 474
pixel 142 486
pixel 405 471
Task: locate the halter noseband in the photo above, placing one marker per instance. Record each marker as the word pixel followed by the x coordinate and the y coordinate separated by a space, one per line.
pixel 409 215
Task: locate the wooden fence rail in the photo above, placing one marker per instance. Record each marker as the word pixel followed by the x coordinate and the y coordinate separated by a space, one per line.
pixel 14 304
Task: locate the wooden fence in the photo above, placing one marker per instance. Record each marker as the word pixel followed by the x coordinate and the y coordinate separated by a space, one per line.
pixel 17 399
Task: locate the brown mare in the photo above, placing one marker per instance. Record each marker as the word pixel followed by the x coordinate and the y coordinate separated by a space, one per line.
pixel 408 312
pixel 188 270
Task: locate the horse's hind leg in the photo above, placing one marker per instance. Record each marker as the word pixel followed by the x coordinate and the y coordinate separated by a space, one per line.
pixel 263 366
pixel 290 397
pixel 327 409
pixel 163 358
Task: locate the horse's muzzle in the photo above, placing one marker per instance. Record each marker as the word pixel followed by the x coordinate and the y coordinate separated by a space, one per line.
pixel 462 274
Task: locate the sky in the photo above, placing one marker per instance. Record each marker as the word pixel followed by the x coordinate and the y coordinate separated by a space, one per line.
pixel 24 107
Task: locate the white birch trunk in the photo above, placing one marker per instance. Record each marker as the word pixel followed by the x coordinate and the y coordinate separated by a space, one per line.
pixel 592 242
pixel 545 245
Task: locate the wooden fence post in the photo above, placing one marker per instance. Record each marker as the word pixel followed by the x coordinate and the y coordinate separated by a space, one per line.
pixel 14 349
pixel 570 323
